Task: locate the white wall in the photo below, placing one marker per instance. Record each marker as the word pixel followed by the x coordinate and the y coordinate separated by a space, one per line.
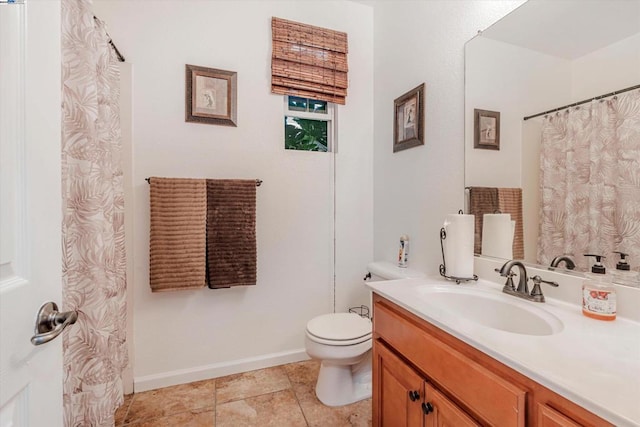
pixel 190 335
pixel 414 189
pixel 516 82
pixel 614 67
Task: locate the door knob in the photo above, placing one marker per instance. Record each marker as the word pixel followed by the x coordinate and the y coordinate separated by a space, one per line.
pixel 427 408
pixel 414 395
pixel 50 323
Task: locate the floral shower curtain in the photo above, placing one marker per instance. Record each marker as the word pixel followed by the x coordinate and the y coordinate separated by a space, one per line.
pixel 94 283
pixel 590 182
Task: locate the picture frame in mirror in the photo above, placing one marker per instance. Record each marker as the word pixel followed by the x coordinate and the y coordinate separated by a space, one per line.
pixel 486 129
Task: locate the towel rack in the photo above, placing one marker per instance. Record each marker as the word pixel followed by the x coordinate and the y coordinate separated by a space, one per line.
pixel 258 181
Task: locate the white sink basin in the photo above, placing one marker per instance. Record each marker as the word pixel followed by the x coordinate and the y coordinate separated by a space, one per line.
pixel 491 309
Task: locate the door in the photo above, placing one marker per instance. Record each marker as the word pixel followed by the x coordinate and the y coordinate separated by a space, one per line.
pixel 549 417
pixel 30 210
pixel 398 391
pixel 441 412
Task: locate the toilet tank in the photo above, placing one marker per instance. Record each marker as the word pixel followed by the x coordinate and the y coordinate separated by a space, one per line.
pixel 385 270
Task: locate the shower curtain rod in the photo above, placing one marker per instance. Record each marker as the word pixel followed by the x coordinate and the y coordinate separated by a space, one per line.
pixel 584 102
pixel 115 49
pixel 258 181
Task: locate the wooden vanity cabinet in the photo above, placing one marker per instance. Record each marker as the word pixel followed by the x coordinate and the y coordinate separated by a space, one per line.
pixel 406 399
pixel 422 376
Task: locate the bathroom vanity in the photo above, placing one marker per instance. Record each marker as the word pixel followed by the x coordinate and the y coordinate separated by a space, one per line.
pixel 433 366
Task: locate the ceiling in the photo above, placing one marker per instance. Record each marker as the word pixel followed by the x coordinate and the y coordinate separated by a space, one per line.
pixel 568 28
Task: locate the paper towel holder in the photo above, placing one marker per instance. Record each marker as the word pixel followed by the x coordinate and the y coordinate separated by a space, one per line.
pixel 443 266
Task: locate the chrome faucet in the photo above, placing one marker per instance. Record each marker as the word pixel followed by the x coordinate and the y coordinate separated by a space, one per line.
pixel 505 271
pixel 568 261
pixel 522 291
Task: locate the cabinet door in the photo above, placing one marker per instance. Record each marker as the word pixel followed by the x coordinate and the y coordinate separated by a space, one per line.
pixel 548 417
pixel 442 412
pixel 398 391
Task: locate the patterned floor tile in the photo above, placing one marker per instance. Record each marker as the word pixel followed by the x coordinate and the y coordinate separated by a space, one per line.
pixel 303 376
pixel 282 396
pixel 277 409
pixel 250 384
pixel 172 400
pixel 195 418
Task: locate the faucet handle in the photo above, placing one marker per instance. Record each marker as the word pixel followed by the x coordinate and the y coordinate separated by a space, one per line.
pixel 509 283
pixel 537 280
pixel 536 292
pixel 510 274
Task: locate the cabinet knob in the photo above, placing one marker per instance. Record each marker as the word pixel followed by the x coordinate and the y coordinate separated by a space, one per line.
pixel 427 408
pixel 414 395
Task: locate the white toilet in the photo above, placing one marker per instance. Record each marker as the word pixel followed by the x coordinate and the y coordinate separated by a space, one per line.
pixel 342 341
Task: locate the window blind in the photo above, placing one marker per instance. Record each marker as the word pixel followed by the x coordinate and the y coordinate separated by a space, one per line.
pixel 309 61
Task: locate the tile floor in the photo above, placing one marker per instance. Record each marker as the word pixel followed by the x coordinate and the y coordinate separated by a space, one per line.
pixel 282 396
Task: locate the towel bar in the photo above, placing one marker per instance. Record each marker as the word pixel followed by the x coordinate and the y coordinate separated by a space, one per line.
pixel 258 181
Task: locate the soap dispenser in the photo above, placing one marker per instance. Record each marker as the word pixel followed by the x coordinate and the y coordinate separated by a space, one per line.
pixel 598 295
pixel 623 273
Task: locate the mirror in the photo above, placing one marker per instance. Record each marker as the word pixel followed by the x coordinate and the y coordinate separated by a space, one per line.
pixel 541 56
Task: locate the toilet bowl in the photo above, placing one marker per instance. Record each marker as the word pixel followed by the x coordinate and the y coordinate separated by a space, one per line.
pixel 342 342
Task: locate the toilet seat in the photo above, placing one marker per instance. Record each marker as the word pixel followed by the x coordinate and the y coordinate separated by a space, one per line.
pixel 339 329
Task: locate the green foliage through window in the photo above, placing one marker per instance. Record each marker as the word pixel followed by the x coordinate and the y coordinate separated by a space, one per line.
pixel 305 134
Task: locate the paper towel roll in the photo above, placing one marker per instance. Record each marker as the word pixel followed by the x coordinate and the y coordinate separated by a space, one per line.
pixel 497 235
pixel 458 245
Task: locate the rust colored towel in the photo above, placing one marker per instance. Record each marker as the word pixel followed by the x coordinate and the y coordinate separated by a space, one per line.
pixel 177 249
pixel 482 200
pixel 231 233
pixel 510 201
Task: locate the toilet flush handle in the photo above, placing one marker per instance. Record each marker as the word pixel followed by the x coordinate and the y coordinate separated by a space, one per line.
pixel 367 276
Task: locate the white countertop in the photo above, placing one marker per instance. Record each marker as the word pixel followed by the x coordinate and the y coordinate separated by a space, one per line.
pixel 593 363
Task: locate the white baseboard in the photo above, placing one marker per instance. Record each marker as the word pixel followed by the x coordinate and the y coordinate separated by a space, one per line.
pixel 183 376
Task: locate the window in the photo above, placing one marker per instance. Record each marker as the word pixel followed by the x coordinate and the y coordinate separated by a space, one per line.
pixel 308 124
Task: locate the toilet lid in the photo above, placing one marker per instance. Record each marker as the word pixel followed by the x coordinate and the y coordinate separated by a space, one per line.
pixel 339 327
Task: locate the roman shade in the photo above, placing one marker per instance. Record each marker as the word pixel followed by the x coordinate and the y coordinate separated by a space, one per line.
pixel 309 61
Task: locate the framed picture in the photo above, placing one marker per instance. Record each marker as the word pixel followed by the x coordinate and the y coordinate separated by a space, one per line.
pixel 486 131
pixel 211 96
pixel 408 119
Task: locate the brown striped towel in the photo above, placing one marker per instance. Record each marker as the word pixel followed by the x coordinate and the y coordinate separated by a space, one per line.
pixel 177 245
pixel 482 200
pixel 510 201
pixel 231 233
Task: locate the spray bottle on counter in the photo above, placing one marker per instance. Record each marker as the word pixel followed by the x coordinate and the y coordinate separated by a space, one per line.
pixel 598 294
pixel 403 252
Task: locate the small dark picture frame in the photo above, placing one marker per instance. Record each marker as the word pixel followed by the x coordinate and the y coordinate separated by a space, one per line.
pixel 486 129
pixel 210 96
pixel 408 119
